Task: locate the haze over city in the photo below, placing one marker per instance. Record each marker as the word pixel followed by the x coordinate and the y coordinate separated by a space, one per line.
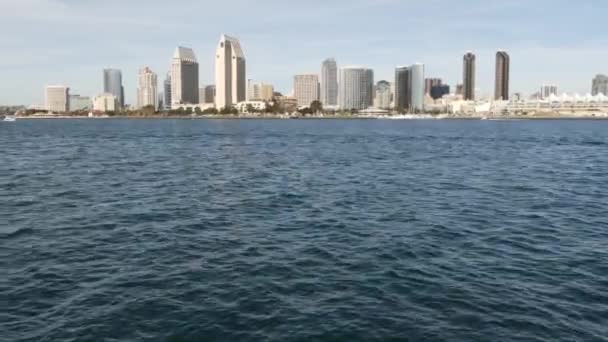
pixel 70 42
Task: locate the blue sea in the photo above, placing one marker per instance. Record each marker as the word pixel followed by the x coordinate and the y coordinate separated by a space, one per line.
pixel 303 230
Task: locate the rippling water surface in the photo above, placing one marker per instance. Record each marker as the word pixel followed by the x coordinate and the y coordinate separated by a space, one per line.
pixel 123 230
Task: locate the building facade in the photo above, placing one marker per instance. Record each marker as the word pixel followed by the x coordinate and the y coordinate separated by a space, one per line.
pixel 440 91
pixel 329 83
pixel 402 97
pixel 147 89
pixel 80 103
pixel 429 83
pixel 230 73
pixel 57 99
pixel 184 77
pixel 306 89
pixel 468 76
pixel 355 88
pixel 112 84
pixel 167 91
pixel 547 90
pixel 259 91
pixel 417 87
pixel 209 94
pixel 600 85
pixel 501 88
pixel 105 103
pixel 384 96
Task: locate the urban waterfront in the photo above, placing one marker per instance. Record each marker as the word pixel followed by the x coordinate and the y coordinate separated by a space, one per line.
pixel 158 230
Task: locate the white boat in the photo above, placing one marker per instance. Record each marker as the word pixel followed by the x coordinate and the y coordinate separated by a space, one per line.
pixel 9 119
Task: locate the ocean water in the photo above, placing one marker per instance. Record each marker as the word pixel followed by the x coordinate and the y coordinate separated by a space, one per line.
pixel 187 230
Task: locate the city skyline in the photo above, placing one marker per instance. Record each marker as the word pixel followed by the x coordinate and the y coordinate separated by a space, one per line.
pixel 540 56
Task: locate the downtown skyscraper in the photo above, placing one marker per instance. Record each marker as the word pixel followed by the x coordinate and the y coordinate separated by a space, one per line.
pixel 329 83
pixel 230 73
pixel 147 88
pixel 184 77
pixel 402 88
pixel 468 76
pixel 112 84
pixel 417 87
pixel 356 89
pixel 501 88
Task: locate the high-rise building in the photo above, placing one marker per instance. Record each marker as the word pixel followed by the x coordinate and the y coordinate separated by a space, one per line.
pixel 440 91
pixel 80 103
pixel 329 82
pixel 259 91
pixel 356 88
pixel 306 89
pixel 600 85
pixel 57 99
pixel 209 94
pixel 112 84
pixel 501 89
pixel 429 83
pixel 547 90
pixel 460 89
pixel 184 77
pixel 417 87
pixel 147 88
pixel 383 96
pixel 167 91
pixel 402 96
pixel 468 76
pixel 230 73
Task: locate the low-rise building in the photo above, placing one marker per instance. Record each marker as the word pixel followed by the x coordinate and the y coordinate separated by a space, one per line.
pixel 106 102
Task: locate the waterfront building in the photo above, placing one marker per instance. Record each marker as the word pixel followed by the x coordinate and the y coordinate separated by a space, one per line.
pixel 429 83
pixel 383 96
pixel 439 91
pixel 250 106
pixel 57 98
pixel 259 91
pixel 600 85
pixel 230 73
pixel 167 91
pixel 105 102
pixel 356 88
pixel 417 87
pixel 468 76
pixel 287 104
pixel 306 89
pixel 547 90
pixel 459 89
pixel 147 88
pixel 112 84
pixel 184 77
pixel 79 103
pixel 329 83
pixel 209 94
pixel 402 92
pixel 501 88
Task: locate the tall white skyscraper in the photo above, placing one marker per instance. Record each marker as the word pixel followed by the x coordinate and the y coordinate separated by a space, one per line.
pixel 417 87
pixel 306 89
pixel 147 90
pixel 184 77
pixel 230 73
pixel 329 82
pixel 56 98
pixel 356 88
pixel 112 83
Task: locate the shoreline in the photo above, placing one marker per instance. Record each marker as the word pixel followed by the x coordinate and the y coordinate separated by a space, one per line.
pixel 332 117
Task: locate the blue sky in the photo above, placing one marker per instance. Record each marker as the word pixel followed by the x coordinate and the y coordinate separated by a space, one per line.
pixel 70 41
